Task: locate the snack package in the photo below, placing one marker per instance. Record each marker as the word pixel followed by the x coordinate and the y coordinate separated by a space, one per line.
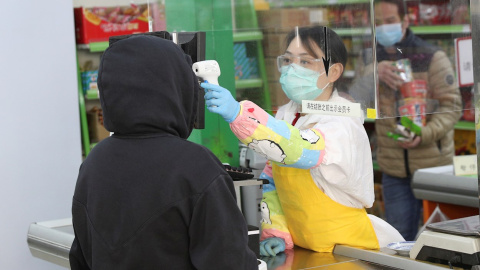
pixel 406 130
pixel 414 109
pixel 414 89
pixel 404 64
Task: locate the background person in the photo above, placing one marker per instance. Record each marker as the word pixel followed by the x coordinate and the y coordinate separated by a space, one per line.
pixel 146 198
pixel 435 146
pixel 320 168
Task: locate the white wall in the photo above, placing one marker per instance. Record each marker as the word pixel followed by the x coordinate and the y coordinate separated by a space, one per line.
pixel 40 150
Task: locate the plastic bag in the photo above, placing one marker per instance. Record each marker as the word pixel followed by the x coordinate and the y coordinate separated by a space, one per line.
pixel 436 216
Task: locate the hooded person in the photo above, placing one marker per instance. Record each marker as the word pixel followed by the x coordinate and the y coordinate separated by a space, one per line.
pixel 146 197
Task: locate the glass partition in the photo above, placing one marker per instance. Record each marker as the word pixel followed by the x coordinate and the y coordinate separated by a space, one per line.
pixel 412 48
pixel 411 60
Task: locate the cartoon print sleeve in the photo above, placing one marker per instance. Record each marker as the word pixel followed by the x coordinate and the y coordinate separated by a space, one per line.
pixel 278 140
pixel 273 219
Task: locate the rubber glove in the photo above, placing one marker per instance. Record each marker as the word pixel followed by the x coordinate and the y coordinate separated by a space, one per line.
pixel 272 246
pixel 219 100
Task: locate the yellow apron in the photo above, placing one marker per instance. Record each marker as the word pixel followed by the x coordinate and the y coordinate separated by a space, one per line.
pixel 314 220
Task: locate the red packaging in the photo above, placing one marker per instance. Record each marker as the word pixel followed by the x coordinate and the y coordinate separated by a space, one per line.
pixel 434 13
pixel 415 109
pixel 360 16
pixel 414 89
pixel 413 13
pixel 99 23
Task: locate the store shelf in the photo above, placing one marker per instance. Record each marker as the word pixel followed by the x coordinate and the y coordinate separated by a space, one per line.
pixel 248 83
pixel 353 31
pixel 92 94
pixel 419 30
pixel 461 125
pixel 94 46
pixel 465 125
pixel 375 166
pixel 441 29
pixel 309 3
pixel 247 36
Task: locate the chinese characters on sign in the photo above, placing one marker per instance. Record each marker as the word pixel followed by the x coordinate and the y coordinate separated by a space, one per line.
pixel 465 165
pixel 464 59
pixel 331 108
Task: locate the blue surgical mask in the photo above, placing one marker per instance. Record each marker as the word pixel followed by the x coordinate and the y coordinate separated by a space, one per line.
pixel 389 34
pixel 300 83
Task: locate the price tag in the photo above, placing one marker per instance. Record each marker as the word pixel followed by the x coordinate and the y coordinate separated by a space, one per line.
pixel 465 165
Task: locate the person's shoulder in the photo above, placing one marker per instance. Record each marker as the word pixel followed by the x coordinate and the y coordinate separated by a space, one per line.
pixel 201 159
pixel 419 42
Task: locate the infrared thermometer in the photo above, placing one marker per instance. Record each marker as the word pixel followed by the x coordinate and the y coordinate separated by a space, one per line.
pixel 208 70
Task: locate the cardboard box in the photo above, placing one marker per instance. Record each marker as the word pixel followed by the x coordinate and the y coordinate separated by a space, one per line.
pixel 271 69
pixel 277 96
pixel 96 130
pixel 318 16
pixel 274 43
pixel 97 24
pixel 282 18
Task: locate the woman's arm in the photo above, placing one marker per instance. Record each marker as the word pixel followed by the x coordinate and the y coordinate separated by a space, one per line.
pixel 273 220
pixel 278 140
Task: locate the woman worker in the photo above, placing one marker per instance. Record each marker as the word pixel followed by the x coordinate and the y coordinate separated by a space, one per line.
pixel 320 167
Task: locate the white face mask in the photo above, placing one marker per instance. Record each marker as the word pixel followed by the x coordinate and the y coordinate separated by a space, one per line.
pixel 389 34
pixel 300 83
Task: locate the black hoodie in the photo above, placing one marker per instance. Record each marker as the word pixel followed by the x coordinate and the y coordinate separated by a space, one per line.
pixel 146 198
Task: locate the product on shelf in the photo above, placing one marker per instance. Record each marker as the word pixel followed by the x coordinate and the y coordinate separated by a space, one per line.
pixel 345 16
pixel 246 65
pixel 465 142
pixel 97 24
pixel 467 100
pixel 89 75
pixel 460 12
pixel 89 80
pixel 96 130
pixel 434 12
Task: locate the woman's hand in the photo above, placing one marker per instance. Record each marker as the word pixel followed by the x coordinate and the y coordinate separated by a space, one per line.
pixel 219 100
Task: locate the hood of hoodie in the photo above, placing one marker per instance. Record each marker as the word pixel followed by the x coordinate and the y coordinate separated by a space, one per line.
pixel 147 86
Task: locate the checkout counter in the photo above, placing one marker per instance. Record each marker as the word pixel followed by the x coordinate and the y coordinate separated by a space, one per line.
pixel 51 241
pixel 457 196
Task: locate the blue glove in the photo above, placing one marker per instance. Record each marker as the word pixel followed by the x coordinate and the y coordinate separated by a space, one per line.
pixel 220 100
pixel 272 246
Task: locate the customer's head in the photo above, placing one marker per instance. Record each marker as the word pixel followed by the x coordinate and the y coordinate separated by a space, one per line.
pixel 147 86
pixel 391 21
pixel 306 50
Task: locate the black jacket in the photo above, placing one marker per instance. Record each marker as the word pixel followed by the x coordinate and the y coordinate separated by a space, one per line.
pixel 146 198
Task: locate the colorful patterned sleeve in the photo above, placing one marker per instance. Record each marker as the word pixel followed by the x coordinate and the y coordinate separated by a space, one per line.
pixel 276 139
pixel 273 220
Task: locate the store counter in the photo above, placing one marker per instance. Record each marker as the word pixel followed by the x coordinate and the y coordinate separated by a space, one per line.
pixel 345 258
pixel 51 241
pixel 457 196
